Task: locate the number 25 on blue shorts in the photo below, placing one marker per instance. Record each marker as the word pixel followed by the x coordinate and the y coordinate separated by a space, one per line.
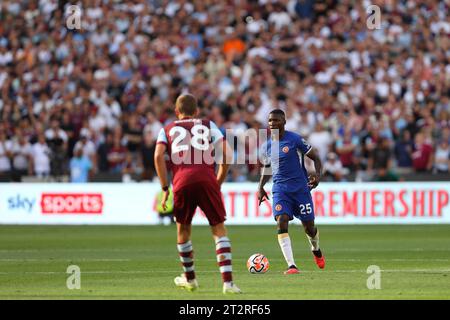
pixel 299 205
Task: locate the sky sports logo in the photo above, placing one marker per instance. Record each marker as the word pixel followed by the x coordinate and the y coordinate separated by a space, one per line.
pixel 60 203
pixel 72 203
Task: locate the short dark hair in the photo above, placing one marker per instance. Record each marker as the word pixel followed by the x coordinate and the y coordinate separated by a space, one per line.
pixel 279 112
pixel 186 104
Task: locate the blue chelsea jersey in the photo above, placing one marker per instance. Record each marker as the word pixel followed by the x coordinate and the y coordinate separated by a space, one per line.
pixel 287 163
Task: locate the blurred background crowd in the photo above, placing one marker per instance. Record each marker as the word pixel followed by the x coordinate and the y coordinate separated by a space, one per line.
pixel 86 102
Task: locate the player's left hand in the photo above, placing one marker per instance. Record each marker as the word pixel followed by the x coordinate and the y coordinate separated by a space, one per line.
pixel 164 199
pixel 262 195
pixel 313 181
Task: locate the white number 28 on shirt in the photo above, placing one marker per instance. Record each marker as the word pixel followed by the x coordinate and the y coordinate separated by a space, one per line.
pixel 199 139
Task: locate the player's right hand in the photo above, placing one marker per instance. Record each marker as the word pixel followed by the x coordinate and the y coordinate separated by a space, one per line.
pixel 164 199
pixel 261 195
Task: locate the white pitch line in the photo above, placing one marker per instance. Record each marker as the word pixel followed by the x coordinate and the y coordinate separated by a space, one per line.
pixel 350 260
pixel 177 271
pixel 214 260
pixel 330 260
pixel 330 250
pixel 64 260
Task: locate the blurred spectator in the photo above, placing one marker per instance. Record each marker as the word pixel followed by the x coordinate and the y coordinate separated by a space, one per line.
pixel 147 155
pixel 304 8
pixel 442 157
pixel 321 139
pixel 422 156
pixel 345 148
pixel 130 169
pixel 132 134
pixel 97 123
pixel 5 156
pixel 110 111
pixel 103 151
pixel 41 158
pixel 68 127
pixel 333 169
pixel 380 157
pixel 117 155
pixel 152 125
pixel 233 47
pixel 57 141
pixel 22 158
pixel 87 147
pixel 80 165
pixel 236 130
pixel 404 150
pixel 380 162
pixel 279 18
pixel 445 134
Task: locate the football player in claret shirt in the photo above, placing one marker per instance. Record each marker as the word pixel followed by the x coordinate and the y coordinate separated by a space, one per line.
pixel 284 154
pixel 193 145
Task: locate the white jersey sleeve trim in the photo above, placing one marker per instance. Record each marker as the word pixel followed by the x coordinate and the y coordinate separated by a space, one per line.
pixel 162 137
pixel 310 148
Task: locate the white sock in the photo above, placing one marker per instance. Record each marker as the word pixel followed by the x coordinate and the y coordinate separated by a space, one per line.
pixel 314 241
pixel 285 244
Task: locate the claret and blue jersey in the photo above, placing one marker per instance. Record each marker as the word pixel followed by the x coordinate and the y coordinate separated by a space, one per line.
pixel 291 194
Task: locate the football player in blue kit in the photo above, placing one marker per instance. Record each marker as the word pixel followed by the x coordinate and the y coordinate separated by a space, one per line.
pixel 283 154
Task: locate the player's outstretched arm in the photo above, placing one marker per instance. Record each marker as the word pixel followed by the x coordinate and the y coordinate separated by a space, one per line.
pixel 314 179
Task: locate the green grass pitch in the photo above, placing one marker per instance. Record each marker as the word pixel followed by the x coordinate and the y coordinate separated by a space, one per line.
pixel 140 262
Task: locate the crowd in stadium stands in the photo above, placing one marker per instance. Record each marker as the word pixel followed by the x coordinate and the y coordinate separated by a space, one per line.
pixel 77 102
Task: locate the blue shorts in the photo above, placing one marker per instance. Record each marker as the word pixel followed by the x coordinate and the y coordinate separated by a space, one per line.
pixel 295 204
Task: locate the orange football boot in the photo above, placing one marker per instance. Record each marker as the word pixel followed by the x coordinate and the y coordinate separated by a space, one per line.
pixel 292 270
pixel 320 261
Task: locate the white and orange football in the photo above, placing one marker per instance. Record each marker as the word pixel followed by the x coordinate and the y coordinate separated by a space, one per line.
pixel 258 263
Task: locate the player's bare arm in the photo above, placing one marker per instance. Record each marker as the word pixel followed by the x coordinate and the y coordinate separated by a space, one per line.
pixel 265 177
pixel 314 179
pixel 161 170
